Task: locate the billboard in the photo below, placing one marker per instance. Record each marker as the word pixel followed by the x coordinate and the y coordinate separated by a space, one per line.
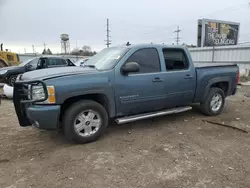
pixel 217 33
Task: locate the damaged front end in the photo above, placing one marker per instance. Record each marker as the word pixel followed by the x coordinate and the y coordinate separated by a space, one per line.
pixel 22 99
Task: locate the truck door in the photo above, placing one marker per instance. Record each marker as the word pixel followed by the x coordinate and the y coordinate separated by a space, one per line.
pixel 180 78
pixel 142 91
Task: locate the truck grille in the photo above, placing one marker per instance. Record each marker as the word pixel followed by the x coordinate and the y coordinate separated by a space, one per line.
pixel 22 91
pixel 21 99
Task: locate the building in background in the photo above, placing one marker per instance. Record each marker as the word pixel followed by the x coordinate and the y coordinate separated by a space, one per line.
pixel 217 33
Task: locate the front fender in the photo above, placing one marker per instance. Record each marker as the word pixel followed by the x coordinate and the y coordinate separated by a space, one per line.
pixel 78 85
pixel 87 95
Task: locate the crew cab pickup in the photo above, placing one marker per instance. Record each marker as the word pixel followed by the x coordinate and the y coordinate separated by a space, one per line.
pixel 125 84
pixel 8 74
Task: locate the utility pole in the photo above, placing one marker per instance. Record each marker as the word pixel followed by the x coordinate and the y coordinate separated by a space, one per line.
pixel 44 44
pixel 25 50
pixel 177 39
pixel 33 47
pixel 108 41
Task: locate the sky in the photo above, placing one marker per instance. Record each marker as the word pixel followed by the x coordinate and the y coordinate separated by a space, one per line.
pixel 24 23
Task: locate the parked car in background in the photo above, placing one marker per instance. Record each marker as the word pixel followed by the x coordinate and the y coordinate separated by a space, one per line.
pixel 9 74
pixel 125 84
pixel 81 62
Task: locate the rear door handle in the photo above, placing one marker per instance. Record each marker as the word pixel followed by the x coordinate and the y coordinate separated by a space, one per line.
pixel 188 76
pixel 157 79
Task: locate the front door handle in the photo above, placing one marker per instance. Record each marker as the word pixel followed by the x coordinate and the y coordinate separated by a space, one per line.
pixel 188 76
pixel 157 79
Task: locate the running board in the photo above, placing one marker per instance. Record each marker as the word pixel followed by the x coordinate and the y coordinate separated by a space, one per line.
pixel 152 114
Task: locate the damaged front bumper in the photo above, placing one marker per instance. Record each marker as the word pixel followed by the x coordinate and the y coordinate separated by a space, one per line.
pixel 29 113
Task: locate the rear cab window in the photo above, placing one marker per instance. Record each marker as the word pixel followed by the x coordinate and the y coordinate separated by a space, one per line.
pixel 175 59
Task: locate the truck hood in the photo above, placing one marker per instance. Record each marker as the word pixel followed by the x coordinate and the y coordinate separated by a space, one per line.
pixel 10 68
pixel 49 73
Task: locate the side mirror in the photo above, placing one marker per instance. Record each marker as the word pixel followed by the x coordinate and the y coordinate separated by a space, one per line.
pixel 130 67
pixel 39 65
pixel 29 67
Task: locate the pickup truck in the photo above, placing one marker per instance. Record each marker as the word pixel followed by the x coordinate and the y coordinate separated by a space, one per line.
pixel 123 83
pixel 8 74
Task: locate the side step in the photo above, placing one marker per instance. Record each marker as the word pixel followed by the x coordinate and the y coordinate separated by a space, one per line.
pixel 152 114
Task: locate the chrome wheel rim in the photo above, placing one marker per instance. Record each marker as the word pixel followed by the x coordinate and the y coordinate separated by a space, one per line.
pixel 216 102
pixel 87 123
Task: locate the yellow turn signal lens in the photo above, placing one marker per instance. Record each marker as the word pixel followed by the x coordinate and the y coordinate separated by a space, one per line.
pixel 51 95
pixel 52 99
pixel 51 90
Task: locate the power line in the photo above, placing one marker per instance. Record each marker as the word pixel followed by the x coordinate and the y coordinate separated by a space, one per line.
pixel 177 39
pixel 108 41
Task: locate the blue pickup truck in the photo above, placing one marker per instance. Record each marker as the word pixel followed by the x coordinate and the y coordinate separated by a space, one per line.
pixel 125 84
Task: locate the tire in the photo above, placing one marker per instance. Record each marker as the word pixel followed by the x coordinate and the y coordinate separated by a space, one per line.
pixel 79 115
pixel 11 80
pixel 213 110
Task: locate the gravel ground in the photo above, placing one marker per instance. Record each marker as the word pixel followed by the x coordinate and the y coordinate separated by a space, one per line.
pixel 171 151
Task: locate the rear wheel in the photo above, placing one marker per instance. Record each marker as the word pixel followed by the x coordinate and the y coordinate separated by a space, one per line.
pixel 85 121
pixel 11 80
pixel 214 102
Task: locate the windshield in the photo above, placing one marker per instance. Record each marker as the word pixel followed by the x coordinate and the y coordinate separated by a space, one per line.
pixel 26 61
pixel 107 58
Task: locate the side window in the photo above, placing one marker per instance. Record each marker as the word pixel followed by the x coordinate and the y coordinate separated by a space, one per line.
pixel 10 57
pixel 51 62
pixel 175 59
pixel 60 62
pixel 41 63
pixel 34 62
pixel 148 60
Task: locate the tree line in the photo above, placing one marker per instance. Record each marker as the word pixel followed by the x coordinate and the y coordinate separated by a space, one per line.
pixel 83 51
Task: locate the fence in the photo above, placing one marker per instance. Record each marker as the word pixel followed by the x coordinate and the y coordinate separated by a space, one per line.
pixel 239 54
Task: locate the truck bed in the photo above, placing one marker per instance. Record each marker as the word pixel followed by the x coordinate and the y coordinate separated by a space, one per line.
pixel 200 65
pixel 206 74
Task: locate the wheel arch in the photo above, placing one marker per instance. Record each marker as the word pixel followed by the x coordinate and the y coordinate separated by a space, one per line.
pixel 223 83
pixel 100 98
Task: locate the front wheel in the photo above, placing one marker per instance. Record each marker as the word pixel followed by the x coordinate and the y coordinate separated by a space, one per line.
pixel 214 102
pixel 11 80
pixel 85 121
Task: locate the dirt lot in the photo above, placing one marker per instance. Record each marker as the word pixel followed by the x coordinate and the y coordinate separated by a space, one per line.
pixel 170 151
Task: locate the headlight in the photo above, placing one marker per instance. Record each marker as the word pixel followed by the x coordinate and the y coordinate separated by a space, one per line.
pixel 37 93
pixel 3 71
